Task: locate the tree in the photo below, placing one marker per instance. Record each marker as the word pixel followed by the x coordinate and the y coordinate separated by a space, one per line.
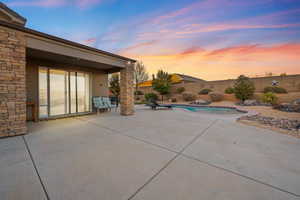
pixel 114 84
pixel 162 83
pixel 269 74
pixel 140 74
pixel 243 88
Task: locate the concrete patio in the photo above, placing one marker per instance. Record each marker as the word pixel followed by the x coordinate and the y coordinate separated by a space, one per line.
pixel 166 154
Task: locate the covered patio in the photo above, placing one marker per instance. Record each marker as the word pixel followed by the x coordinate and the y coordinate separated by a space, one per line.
pixel 45 77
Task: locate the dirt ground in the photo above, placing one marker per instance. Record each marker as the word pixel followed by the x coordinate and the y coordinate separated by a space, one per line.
pixel 264 111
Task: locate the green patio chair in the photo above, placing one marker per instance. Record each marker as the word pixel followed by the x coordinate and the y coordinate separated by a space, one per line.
pixel 108 103
pixel 98 104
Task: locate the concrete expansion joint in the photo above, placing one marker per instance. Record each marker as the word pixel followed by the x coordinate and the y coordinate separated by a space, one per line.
pixel 35 168
pixel 180 153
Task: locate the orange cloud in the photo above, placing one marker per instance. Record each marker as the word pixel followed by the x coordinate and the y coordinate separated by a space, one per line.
pixel 228 62
pixel 226 27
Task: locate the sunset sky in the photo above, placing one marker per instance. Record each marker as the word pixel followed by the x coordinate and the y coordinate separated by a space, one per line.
pixel 209 39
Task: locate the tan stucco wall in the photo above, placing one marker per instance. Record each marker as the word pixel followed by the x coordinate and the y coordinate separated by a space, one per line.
pixel 100 84
pixel 291 83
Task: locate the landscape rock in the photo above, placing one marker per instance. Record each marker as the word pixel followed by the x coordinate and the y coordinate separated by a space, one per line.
pixel 286 107
pixel 252 102
pixel 201 102
pixel 296 102
pixel 287 124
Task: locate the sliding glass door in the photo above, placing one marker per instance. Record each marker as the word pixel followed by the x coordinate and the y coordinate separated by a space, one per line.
pixel 59 95
pixel 63 92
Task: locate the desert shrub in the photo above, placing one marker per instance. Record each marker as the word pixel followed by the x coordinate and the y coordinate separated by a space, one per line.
pixel 151 96
pixel 215 96
pixel 269 97
pixel 189 97
pixel 138 92
pixel 229 90
pixel 180 90
pixel 173 100
pixel 275 89
pixel 243 88
pixel 205 91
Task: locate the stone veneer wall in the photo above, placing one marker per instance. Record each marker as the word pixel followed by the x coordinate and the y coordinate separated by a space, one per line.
pixel 126 94
pixel 12 83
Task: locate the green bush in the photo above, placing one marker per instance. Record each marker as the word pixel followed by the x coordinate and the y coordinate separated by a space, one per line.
pixel 229 90
pixel 205 91
pixel 180 90
pixel 275 89
pixel 214 96
pixel 269 97
pixel 151 96
pixel 243 88
pixel 189 97
pixel 138 92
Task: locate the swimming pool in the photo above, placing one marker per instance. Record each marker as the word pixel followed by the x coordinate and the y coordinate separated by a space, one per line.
pixel 209 109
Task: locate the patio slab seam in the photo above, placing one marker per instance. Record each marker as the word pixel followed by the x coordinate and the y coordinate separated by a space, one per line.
pixel 36 169
pixel 239 174
pixel 178 153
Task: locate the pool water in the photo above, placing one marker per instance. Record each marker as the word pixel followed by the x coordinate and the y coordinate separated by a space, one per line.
pixel 210 109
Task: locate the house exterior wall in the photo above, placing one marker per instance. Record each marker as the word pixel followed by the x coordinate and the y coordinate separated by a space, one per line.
pixel 100 84
pixel 12 83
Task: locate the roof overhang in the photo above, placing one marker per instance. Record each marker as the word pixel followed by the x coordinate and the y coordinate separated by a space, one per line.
pixel 11 16
pixel 47 47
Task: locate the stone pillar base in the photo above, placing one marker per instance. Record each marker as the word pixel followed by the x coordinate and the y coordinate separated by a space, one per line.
pixel 12 83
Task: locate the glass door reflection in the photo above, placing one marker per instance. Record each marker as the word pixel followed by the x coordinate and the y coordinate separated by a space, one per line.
pixel 58 92
pixel 63 92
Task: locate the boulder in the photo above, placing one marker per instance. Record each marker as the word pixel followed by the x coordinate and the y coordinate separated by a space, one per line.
pixel 201 102
pixel 250 102
pixel 296 102
pixel 286 107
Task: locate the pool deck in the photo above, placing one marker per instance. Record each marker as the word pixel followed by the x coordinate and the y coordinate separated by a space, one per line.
pixel 164 154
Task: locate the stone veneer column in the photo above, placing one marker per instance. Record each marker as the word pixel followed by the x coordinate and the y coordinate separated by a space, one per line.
pixel 12 83
pixel 126 86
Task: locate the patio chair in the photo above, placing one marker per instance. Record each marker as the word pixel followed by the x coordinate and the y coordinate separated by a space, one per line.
pixel 108 103
pixel 98 104
pixel 154 105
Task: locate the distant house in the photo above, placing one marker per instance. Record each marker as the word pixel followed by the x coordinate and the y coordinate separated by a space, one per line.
pixel 176 79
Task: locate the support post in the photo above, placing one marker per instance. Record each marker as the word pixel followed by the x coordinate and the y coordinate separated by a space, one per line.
pixel 127 88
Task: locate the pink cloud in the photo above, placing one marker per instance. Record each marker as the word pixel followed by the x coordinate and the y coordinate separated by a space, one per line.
pixel 89 42
pixel 39 3
pixel 225 27
pixel 56 3
pixel 87 3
